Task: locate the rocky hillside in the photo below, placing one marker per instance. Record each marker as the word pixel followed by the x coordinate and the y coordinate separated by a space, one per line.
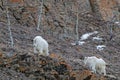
pixel 59 16
pixel 57 26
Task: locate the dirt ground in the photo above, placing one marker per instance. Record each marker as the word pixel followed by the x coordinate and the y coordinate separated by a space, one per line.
pixel 24 64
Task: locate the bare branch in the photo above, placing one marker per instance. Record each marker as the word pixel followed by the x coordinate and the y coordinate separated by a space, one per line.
pixel 1 4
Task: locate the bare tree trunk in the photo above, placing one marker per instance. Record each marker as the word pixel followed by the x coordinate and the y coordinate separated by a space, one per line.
pixel 9 27
pixel 39 16
pixel 65 31
pixel 76 28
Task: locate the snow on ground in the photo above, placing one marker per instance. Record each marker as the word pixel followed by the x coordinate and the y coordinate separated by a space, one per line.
pixel 100 47
pixel 86 35
pixel 79 43
pixel 97 38
pixel 117 22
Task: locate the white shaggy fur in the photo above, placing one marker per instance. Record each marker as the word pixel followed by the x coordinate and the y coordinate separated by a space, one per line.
pixel 97 65
pixel 40 46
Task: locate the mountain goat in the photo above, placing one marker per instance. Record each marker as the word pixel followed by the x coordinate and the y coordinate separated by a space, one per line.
pixel 97 65
pixel 40 46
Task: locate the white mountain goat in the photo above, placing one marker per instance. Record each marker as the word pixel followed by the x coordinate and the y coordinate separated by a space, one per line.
pixel 97 65
pixel 40 46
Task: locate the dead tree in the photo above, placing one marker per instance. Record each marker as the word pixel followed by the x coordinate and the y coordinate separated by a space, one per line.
pixel 65 27
pixel 39 16
pixel 9 27
pixel 76 28
pixel 79 5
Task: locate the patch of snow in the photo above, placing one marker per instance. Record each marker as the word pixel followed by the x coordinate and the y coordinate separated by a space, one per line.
pixel 117 22
pixel 95 32
pixel 81 42
pixel 100 47
pixel 85 36
pixel 97 38
pixel 73 44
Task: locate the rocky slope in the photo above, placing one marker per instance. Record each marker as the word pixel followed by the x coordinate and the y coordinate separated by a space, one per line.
pixel 58 28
